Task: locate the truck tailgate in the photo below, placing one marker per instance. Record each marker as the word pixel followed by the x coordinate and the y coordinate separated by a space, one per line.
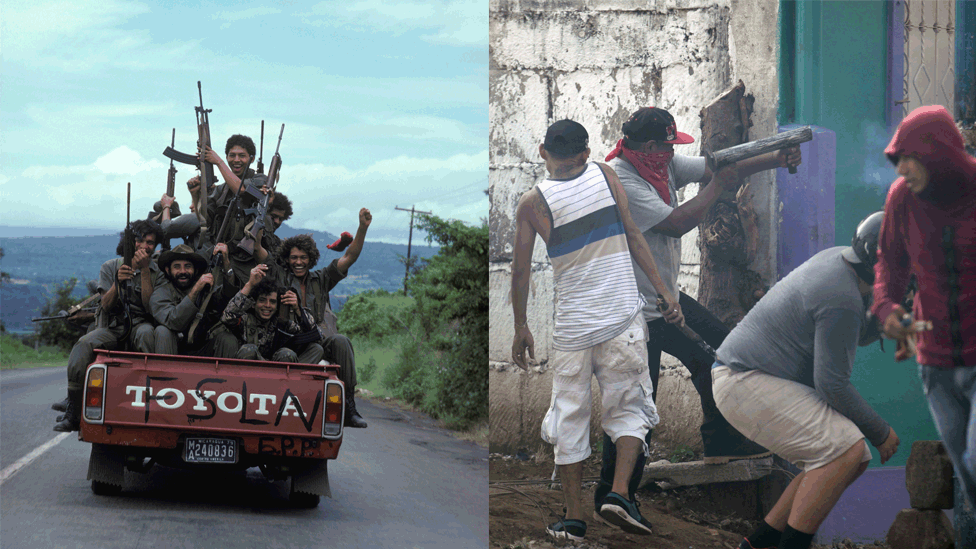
pixel 252 400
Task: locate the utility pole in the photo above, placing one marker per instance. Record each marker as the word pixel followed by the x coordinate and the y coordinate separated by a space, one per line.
pixel 409 242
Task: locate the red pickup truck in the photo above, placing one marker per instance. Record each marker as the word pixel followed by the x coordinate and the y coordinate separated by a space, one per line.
pixel 203 412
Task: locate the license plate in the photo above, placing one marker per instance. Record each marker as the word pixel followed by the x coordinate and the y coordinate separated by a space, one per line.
pixel 210 450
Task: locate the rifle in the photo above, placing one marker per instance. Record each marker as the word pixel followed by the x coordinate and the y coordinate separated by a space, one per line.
pixel 261 156
pixel 206 169
pixel 309 333
pixel 260 209
pixel 171 176
pixel 73 310
pixel 216 263
pixel 731 155
pixel 128 250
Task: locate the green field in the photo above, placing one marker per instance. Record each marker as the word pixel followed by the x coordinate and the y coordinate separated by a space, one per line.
pixel 14 354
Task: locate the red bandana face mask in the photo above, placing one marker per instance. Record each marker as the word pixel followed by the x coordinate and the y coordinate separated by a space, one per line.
pixel 653 167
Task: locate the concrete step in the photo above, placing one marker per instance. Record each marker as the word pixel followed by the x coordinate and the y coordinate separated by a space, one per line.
pixel 691 473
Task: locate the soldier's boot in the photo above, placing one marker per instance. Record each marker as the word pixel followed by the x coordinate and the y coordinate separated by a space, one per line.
pixel 353 419
pixel 72 416
pixel 60 406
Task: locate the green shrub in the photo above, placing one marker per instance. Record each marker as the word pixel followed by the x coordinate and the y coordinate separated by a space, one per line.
pixel 365 372
pixel 409 377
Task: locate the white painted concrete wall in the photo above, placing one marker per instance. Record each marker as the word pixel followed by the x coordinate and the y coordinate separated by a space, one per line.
pixel 596 61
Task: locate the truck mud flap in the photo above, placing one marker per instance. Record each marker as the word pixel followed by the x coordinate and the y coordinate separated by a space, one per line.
pixel 314 480
pixel 106 465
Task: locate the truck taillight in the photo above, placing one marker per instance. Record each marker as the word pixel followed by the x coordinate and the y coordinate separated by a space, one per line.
pixel 332 419
pixel 94 405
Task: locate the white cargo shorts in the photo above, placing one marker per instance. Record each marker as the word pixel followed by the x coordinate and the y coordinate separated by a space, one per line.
pixel 620 367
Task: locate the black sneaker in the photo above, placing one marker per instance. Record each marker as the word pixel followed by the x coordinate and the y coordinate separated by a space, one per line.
pixel 624 514
pixel 570 529
pixel 742 448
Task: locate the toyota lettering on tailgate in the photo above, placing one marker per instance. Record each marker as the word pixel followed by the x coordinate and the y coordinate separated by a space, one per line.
pixel 211 399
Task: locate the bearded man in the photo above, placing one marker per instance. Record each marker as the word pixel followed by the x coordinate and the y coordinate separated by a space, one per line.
pixel 176 303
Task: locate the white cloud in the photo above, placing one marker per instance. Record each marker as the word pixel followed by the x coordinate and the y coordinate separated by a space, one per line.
pixel 463 23
pixel 325 197
pixel 230 17
pixel 124 160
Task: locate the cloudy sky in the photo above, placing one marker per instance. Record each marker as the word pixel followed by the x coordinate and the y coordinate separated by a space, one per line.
pixel 384 105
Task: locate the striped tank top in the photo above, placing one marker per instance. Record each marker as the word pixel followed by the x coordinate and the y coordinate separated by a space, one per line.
pixel 596 292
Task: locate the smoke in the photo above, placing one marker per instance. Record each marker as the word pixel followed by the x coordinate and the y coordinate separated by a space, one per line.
pixel 877 170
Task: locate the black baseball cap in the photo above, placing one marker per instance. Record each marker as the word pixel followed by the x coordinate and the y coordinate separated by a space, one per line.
pixel 566 138
pixel 654 124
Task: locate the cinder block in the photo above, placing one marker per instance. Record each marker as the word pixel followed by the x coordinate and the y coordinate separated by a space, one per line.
pixel 501 328
pixel 921 529
pixel 567 41
pixel 518 105
pixel 505 187
pixel 928 476
pixel 605 5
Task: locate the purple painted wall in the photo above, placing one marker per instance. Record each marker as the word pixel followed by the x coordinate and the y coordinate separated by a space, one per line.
pixel 806 202
pixel 868 507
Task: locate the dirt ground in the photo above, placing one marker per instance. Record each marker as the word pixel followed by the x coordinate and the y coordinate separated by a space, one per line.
pixel 522 501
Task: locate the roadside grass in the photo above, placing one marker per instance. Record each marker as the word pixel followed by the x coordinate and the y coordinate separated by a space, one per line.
pixel 372 361
pixel 375 358
pixel 14 354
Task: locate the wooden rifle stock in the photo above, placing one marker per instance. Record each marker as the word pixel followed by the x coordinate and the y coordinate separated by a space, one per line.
pixel 731 155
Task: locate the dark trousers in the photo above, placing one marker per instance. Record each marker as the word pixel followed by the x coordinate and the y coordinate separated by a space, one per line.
pixel 338 350
pixel 715 430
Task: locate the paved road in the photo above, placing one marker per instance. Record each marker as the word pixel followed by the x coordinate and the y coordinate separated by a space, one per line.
pixel 400 483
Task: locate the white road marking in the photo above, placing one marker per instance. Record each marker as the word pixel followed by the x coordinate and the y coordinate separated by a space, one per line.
pixel 35 453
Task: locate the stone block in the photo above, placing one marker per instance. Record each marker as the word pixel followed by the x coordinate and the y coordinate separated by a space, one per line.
pixel 603 5
pixel 679 407
pixel 920 529
pixel 505 187
pixel 602 99
pixel 518 116
pixel 570 40
pixel 501 328
pixel 691 473
pixel 928 476
pixel 517 403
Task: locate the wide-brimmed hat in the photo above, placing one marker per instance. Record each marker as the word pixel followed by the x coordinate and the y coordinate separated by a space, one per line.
pixel 182 252
pixel 654 124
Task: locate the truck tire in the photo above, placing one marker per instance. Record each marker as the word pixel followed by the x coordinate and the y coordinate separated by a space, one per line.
pixel 105 488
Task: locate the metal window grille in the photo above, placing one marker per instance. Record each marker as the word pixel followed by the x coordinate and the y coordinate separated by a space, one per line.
pixel 930 76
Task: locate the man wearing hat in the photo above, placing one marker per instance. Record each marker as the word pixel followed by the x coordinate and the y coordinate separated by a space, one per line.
pixel 123 313
pixel 581 213
pixel 651 174
pixel 783 377
pixel 176 303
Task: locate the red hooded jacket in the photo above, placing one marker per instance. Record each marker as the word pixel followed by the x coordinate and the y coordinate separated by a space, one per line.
pixel 933 236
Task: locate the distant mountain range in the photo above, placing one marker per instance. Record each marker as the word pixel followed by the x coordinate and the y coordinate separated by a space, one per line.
pixel 37 263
